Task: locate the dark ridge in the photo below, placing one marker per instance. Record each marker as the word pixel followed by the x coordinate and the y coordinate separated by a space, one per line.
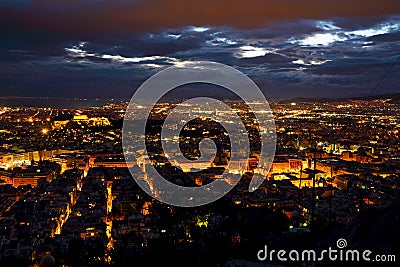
pixel 395 98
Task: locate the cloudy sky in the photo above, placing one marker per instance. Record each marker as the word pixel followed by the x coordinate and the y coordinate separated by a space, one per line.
pixel 290 48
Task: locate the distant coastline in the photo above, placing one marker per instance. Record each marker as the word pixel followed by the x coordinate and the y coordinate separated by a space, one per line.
pixel 54 102
pixel 72 103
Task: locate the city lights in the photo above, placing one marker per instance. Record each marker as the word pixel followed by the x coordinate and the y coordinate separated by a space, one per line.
pixel 323 148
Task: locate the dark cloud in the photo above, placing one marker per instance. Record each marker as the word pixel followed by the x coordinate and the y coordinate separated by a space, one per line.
pixel 77 17
pixel 108 48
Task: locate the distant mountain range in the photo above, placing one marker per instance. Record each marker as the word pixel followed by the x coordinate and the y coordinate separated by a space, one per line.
pixel 395 98
pixel 59 102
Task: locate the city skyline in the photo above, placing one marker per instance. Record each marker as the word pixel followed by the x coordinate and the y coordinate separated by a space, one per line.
pixel 66 190
pixel 195 133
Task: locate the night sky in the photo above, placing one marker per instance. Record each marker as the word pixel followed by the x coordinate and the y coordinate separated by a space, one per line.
pixel 290 48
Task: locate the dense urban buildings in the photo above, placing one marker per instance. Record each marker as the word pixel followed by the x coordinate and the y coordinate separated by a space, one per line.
pixel 65 188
